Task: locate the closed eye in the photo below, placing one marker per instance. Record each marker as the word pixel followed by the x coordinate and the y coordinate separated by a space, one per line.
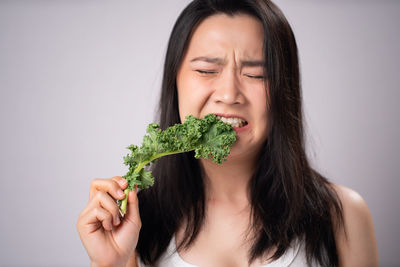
pixel 206 72
pixel 259 77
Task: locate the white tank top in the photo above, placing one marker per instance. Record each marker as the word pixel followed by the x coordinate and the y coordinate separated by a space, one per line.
pixel 294 256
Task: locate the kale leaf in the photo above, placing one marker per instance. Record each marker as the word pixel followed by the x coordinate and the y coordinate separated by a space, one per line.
pixel 208 138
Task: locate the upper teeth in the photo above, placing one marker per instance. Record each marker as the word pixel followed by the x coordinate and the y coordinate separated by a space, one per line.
pixel 234 122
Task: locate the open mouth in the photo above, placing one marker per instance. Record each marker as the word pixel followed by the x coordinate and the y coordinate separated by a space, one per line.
pixel 233 121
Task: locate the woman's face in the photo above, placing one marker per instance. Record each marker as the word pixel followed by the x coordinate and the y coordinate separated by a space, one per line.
pixel 222 73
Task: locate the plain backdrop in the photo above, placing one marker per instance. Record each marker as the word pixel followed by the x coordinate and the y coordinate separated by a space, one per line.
pixel 80 79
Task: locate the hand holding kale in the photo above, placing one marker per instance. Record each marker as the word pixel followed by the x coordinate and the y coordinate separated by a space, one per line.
pixel 208 138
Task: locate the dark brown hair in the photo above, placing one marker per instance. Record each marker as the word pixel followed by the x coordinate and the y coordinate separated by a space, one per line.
pixel 289 199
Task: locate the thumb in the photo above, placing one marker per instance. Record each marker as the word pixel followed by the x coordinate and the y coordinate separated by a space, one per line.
pixel 132 216
pixel 127 234
pixel 132 212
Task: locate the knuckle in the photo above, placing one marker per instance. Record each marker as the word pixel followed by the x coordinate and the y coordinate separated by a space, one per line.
pixel 99 212
pixel 94 182
pixel 98 195
pixel 96 211
pixel 114 185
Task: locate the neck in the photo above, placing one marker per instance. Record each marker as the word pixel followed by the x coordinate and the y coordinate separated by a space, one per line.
pixel 228 182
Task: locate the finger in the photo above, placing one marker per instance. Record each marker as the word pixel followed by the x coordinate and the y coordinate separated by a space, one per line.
pixel 92 220
pixel 123 183
pixel 106 185
pixel 104 217
pixel 106 202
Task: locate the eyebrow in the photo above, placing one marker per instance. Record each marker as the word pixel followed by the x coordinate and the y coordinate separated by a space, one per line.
pixel 221 61
pixel 214 60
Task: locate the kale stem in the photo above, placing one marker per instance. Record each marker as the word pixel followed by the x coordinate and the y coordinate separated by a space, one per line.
pixel 125 201
pixel 154 157
pixel 139 167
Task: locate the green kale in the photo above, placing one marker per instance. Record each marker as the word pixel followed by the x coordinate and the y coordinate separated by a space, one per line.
pixel 208 138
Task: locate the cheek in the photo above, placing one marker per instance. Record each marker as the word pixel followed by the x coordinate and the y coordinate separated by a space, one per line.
pixel 192 96
pixel 261 110
pixel 259 100
pixel 184 96
pixel 184 103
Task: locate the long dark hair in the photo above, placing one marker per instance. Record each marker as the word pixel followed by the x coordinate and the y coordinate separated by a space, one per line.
pixel 288 198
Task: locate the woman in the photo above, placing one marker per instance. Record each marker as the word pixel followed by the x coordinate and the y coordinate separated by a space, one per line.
pixel 265 206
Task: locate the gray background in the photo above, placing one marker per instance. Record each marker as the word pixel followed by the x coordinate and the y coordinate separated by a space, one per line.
pixel 79 81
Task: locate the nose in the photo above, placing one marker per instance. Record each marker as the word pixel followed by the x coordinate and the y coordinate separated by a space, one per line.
pixel 227 89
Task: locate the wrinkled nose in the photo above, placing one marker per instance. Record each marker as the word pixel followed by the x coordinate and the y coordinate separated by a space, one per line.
pixel 227 89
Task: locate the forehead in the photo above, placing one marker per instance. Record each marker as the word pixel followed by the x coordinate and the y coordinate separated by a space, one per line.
pixel 220 33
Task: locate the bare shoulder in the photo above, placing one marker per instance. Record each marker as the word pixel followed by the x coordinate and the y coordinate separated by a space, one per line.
pixel 356 242
pixel 357 216
pixel 351 200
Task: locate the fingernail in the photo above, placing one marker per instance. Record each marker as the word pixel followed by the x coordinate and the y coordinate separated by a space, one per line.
pixel 120 193
pixel 122 182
